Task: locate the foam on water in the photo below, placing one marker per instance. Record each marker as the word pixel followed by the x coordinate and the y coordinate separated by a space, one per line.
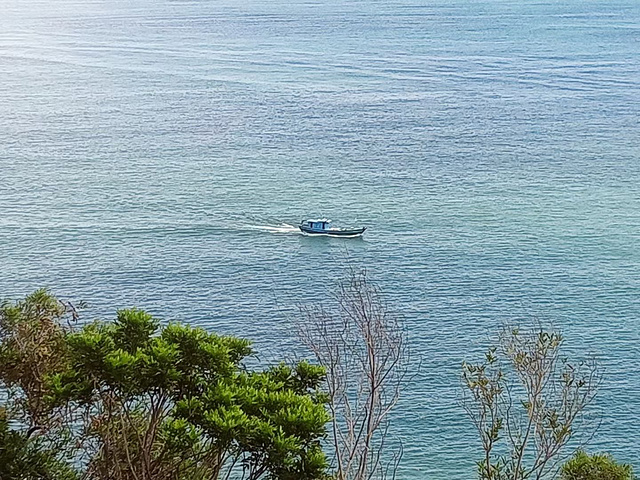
pixel 282 228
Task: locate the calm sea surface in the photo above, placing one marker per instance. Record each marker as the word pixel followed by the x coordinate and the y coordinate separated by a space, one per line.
pixel 152 153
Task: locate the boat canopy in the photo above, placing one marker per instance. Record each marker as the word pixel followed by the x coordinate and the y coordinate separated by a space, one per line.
pixel 318 220
pixel 318 224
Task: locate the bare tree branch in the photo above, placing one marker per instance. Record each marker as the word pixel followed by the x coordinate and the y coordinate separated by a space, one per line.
pixel 526 365
pixel 363 348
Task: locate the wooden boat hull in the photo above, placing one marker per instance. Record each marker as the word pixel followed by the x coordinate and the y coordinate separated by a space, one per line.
pixel 355 232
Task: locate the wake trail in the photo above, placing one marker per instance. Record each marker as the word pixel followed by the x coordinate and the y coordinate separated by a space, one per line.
pixel 282 229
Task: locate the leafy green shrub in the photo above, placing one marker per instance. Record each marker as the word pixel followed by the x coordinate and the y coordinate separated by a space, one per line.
pixel 595 467
pixel 130 399
pixel 32 346
pixel 23 457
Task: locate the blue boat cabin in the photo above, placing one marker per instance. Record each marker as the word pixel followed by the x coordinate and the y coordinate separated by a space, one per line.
pixel 318 225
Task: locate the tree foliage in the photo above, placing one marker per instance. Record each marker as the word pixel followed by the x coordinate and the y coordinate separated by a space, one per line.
pixel 32 346
pixel 595 467
pixel 141 402
pixel 526 402
pixel 26 458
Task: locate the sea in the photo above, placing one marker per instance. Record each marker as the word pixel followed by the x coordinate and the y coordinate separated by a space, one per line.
pixel 160 154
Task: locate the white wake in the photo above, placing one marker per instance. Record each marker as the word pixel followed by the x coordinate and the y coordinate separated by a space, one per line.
pixel 282 228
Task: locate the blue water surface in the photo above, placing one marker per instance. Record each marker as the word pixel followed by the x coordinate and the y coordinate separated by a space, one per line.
pixel 154 153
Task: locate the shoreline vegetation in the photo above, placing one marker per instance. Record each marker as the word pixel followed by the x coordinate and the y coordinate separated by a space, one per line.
pixel 130 399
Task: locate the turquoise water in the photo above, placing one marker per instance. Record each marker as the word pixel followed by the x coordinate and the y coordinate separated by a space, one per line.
pixel 153 153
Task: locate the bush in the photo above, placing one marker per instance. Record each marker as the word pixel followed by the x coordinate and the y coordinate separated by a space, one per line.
pixel 130 399
pixel 23 457
pixel 595 467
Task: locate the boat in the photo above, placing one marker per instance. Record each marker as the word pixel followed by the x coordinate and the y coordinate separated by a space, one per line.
pixel 323 227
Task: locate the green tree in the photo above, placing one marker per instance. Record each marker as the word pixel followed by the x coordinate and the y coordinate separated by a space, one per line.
pixel 176 402
pixel 32 346
pixel 144 402
pixel 33 444
pixel 26 458
pixel 595 467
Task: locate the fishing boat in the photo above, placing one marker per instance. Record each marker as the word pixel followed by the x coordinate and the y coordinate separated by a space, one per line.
pixel 323 227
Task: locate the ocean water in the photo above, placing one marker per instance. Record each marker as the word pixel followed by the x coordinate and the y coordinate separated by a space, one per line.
pixel 156 153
